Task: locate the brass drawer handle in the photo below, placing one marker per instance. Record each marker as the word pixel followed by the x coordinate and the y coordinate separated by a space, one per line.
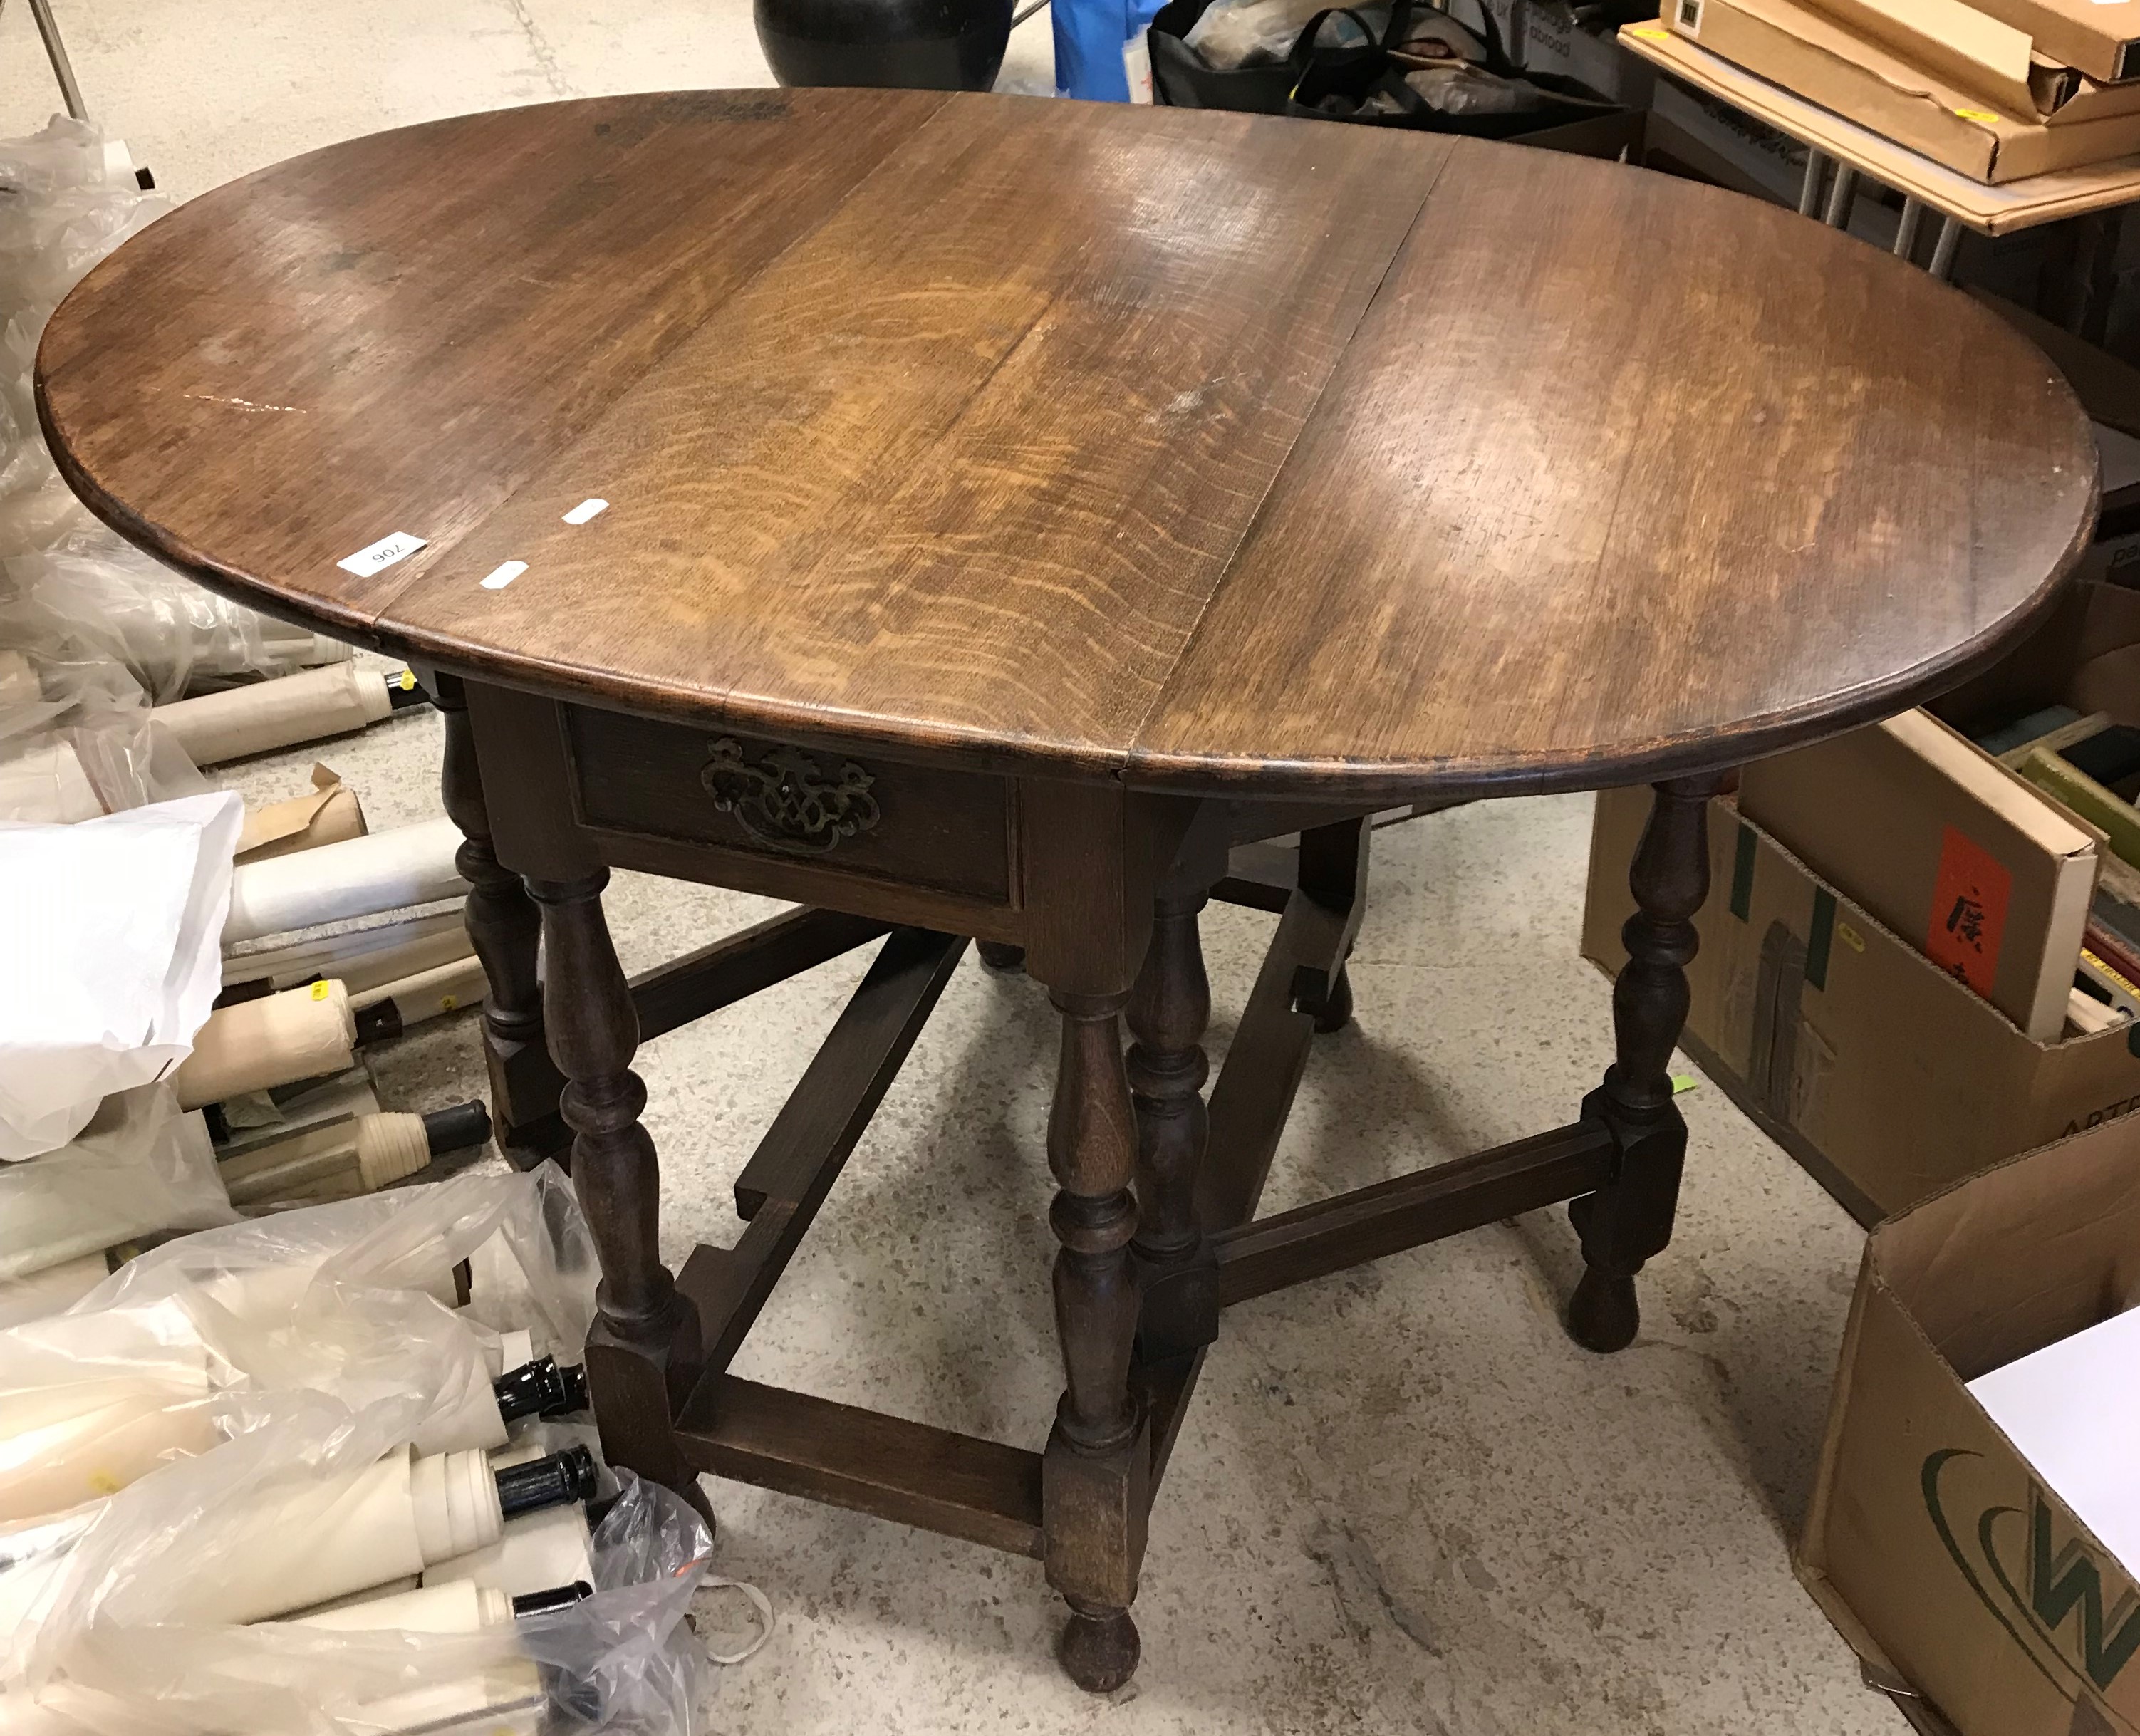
pixel 784 801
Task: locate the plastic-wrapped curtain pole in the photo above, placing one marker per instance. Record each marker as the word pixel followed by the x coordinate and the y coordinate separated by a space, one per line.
pixel 267 1381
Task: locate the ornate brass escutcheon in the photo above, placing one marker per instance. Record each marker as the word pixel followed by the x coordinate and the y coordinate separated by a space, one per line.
pixel 782 799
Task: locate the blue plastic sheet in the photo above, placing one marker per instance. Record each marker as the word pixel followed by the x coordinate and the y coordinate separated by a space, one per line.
pixel 1090 36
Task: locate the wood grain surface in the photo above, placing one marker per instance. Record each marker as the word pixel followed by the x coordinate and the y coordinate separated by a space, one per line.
pixel 1195 449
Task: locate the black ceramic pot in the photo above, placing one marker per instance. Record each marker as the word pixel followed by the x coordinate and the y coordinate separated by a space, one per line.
pixel 920 45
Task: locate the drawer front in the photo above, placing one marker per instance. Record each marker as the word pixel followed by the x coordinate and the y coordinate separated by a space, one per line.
pixel 950 831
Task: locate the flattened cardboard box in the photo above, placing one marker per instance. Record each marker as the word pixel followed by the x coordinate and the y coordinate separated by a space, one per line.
pixel 1883 1076
pixel 1812 55
pixel 2099 38
pixel 1976 53
pixel 1929 1541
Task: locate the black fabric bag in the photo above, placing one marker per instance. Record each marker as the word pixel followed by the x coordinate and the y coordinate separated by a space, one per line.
pixel 1330 79
pixel 1451 79
pixel 1184 78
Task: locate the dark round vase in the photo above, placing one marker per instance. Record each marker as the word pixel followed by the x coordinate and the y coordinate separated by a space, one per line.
pixel 919 44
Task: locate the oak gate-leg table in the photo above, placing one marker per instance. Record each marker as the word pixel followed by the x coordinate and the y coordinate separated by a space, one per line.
pixel 966 517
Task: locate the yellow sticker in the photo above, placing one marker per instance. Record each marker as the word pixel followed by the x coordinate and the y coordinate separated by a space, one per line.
pixel 1850 937
pixel 408 681
pixel 448 1002
pixel 1983 117
pixel 321 990
pixel 1682 1083
pixel 1649 32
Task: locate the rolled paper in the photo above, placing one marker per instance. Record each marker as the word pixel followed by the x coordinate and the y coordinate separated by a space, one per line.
pixel 445 988
pixel 329 815
pixel 318 1539
pixel 411 865
pixel 361 958
pixel 19 680
pixel 550 1548
pixel 331 700
pixel 47 785
pixel 508 1695
pixel 138 1168
pixel 300 1033
pixel 62 1445
pixel 267 1295
pixel 458 1606
pixel 334 1160
pixel 52 1290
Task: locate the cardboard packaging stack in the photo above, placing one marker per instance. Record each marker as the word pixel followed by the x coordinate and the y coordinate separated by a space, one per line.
pixel 1999 90
pixel 1920 955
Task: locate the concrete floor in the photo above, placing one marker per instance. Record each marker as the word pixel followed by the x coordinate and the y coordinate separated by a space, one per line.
pixel 1403 1501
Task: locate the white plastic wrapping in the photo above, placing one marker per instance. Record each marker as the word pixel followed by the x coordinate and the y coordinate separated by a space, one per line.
pixel 92 630
pixel 139 1168
pixel 105 1616
pixel 76 738
pixel 171 634
pixel 109 940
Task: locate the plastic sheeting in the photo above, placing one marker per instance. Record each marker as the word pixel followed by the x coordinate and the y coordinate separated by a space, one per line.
pixel 92 631
pixel 139 1168
pixel 1100 51
pixel 109 940
pixel 325 1352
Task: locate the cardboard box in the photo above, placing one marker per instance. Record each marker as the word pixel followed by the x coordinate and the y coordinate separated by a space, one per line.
pixel 1985 57
pixel 1969 48
pixel 1947 847
pixel 1545 36
pixel 1883 1076
pixel 2085 654
pixel 1812 55
pixel 1931 1544
pixel 2099 38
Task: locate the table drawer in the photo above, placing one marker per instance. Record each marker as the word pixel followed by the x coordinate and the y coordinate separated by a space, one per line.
pixel 850 813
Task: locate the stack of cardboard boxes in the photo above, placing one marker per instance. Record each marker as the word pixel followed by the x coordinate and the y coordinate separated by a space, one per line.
pixel 1999 90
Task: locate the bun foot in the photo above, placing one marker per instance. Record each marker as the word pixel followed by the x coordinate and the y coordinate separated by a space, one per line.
pixel 1001 955
pixel 1099 1649
pixel 1336 1011
pixel 1602 1315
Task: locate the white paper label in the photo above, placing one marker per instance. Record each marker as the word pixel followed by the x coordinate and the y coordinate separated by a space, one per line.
pixel 586 510
pixel 381 554
pixel 1688 17
pixel 504 574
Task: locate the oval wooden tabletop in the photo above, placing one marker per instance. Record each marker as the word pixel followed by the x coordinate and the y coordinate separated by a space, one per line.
pixel 1194 449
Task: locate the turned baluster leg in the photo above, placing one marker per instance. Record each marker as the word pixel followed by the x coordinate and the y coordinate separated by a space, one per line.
pixel 1169 1008
pixel 644 1351
pixel 503 927
pixel 1629 1222
pixel 1096 1477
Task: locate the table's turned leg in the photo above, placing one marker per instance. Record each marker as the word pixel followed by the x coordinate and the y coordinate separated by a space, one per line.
pixel 1094 1482
pixel 1334 1010
pixel 643 1354
pixel 502 926
pixel 1169 1008
pixel 1630 1221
